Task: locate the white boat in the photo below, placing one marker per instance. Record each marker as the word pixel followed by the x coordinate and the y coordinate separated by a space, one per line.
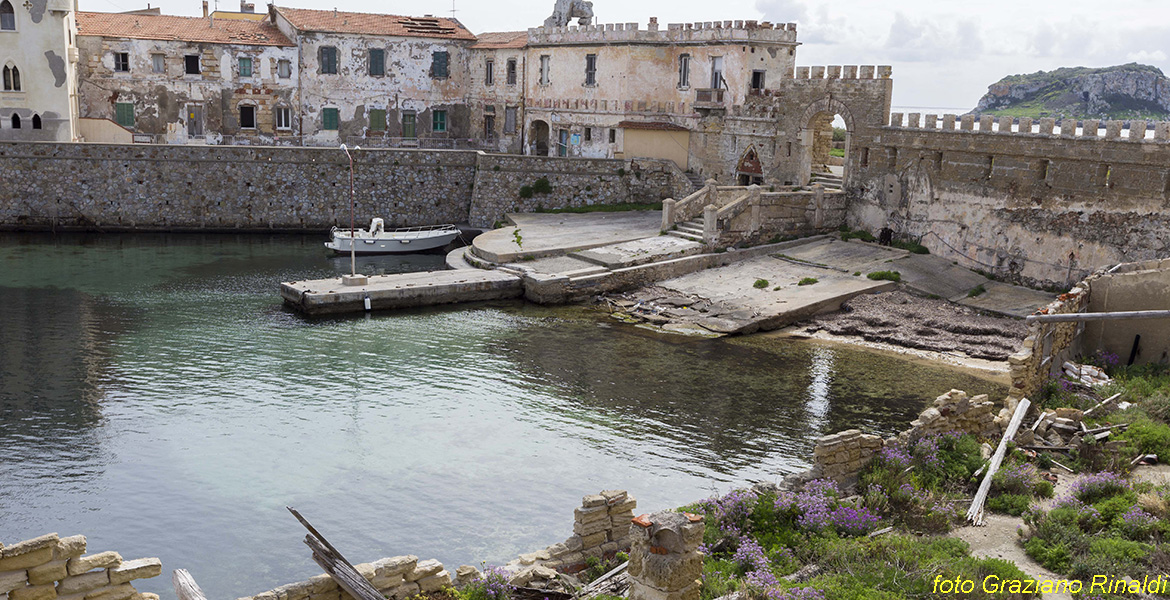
pixel 376 240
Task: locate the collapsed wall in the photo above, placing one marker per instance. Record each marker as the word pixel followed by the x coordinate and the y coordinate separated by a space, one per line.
pixel 1032 205
pixel 55 568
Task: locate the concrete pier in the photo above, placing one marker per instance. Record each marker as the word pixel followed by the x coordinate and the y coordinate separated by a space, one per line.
pixel 402 290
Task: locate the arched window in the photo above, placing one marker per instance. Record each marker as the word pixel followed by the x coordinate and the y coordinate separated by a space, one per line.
pixel 15 121
pixel 7 16
pixel 36 121
pixel 11 78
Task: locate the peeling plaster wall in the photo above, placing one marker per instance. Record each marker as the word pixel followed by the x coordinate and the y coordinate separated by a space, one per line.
pixel 162 101
pixel 498 96
pixel 39 48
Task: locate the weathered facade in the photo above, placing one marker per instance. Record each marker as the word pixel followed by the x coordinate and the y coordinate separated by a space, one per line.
pixel 185 79
pixel 38 64
pixel 496 95
pixel 380 79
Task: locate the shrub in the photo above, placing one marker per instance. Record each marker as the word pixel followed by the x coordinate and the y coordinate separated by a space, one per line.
pixel 542 186
pixel 493 586
pixel 760 284
pixel 885 276
pixel 808 281
pixel 1054 557
pixel 1011 504
pixel 864 236
pixel 1137 524
pixel 1147 436
pixel 526 191
pixel 1119 550
pixel 912 246
pixel 979 290
pixel 1092 488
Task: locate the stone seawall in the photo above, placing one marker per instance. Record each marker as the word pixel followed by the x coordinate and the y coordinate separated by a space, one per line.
pixel 99 187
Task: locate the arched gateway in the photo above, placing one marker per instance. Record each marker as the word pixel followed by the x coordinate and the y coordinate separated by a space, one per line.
pixel 816 141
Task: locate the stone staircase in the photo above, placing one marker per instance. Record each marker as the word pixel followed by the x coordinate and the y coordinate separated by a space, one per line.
pixel 828 180
pixel 696 180
pixel 689 230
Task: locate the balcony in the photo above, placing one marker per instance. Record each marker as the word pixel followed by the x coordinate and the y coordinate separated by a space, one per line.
pixel 710 99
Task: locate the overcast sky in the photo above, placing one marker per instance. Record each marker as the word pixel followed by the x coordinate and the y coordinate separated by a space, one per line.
pixel 945 52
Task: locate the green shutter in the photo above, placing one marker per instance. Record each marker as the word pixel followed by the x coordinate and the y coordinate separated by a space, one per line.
pixel 377 120
pixel 439 121
pixel 329 116
pixel 245 67
pixel 377 62
pixel 439 65
pixel 408 126
pixel 124 114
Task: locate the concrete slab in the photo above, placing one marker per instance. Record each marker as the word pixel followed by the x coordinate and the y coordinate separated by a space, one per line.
pixel 1007 299
pixel 931 275
pixel 543 234
pixel 847 256
pixel 640 252
pixel 555 264
pixel 401 290
pixel 455 259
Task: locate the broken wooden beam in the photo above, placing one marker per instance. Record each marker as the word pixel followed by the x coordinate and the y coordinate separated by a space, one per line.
pixel 340 569
pixel 975 513
pixel 185 586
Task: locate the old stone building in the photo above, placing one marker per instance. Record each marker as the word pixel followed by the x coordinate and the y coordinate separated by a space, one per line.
pixel 38 66
pixel 496 95
pixel 185 79
pixel 368 78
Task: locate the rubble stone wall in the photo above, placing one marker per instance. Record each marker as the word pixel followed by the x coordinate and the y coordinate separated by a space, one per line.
pixel 397 578
pixel 51 568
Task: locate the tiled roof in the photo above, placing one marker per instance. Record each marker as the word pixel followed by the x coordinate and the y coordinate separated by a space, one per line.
pixel 501 40
pixel 330 21
pixel 651 126
pixel 185 29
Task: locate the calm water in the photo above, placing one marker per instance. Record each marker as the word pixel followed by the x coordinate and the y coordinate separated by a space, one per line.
pixel 156 397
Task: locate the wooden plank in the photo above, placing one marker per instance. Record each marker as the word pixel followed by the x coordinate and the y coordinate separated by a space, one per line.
pixel 975 513
pixel 185 586
pixel 340 569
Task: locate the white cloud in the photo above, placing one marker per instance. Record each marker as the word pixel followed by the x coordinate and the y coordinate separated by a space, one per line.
pixel 1145 56
pixel 916 40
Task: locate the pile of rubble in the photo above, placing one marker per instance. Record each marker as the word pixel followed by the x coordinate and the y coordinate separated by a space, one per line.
pixel 675 311
pixel 1086 374
pixel 1064 429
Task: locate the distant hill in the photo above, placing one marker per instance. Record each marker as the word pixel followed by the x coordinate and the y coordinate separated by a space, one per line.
pixel 1130 91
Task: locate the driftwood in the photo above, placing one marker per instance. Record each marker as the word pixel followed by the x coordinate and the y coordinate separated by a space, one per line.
pixel 1062 466
pixel 185 586
pixel 1102 403
pixel 975 514
pixel 613 583
pixel 335 564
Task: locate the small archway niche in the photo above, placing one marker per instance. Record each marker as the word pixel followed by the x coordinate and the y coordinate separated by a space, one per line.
pixel 540 135
pixel 820 152
pixel 15 121
pixel 36 121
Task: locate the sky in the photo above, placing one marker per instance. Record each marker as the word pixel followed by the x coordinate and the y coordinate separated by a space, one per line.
pixel 945 53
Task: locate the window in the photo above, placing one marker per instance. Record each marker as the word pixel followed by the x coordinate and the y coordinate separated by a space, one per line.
pixel 510 119
pixel 283 69
pixel 245 67
pixel 758 80
pixel 489 127
pixel 191 64
pixel 124 114
pixel 330 118
pixel 590 69
pixel 588 134
pixel 544 65
pixel 122 62
pixel 283 117
pixel 613 136
pixel 439 62
pixel 15 121
pixel 489 72
pixel 409 129
pixel 7 16
pixel 1042 170
pixel 716 72
pixel 439 121
pixel 377 119
pixel 11 78
pixel 684 71
pixel 36 121
pixel 328 60
pixel 377 62
pixel 864 157
pixel 247 117
pixel 511 71
pixel 158 63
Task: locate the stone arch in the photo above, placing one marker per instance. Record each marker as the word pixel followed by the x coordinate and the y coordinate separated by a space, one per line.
pixel 15 121
pixel 11 78
pixel 815 123
pixel 540 137
pixel 7 16
pixel 36 121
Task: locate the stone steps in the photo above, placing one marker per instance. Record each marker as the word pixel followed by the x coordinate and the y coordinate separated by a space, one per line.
pixel 688 230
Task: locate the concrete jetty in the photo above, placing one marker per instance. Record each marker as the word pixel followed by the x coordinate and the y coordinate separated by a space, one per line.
pixel 400 290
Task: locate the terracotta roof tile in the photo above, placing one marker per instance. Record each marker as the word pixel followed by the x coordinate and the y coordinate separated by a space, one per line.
pixel 501 40
pixel 185 29
pixel 330 21
pixel 651 126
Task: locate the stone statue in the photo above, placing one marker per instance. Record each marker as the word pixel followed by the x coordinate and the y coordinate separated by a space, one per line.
pixel 567 10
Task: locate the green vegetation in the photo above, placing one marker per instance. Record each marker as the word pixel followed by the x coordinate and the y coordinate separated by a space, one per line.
pixel 979 290
pixel 760 284
pixel 518 238
pixel 808 281
pixel 848 234
pixel 839 134
pixel 542 186
pixel 838 152
pixel 526 191
pixel 885 276
pixel 1059 94
pixel 910 246
pixel 603 208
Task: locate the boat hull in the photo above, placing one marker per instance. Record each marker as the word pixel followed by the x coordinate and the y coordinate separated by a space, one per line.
pixel 386 244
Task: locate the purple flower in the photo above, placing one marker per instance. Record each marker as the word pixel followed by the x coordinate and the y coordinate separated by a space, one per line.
pixel 1137 523
pixel 750 556
pixel 1091 488
pixel 794 594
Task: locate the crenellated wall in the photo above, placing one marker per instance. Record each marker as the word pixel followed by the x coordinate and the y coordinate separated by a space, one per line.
pixel 1023 202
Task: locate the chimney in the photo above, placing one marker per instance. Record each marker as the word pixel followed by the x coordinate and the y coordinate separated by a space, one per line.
pixel 204 9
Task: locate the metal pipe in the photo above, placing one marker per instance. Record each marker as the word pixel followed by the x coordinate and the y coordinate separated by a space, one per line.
pixel 1105 316
pixel 352 228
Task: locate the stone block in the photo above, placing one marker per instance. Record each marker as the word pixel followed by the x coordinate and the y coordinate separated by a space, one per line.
pixel 27 546
pixel 405 591
pixel 397 565
pixel 123 591
pixel 671 572
pixel 424 569
pixel 102 560
pixel 614 496
pixel 142 568
pixel 14 579
pixel 590 515
pixel 621 522
pixel 83 583
pixel 558 550
pixel 593 500
pixel 435 582
pixel 587 529
pixel 624 506
pixel 34 592
pixel 572 559
pixel 574 543
pixel 48 572
pixel 26 560
pixel 321 584
pixel 594 552
pixel 594 540
pixel 364 569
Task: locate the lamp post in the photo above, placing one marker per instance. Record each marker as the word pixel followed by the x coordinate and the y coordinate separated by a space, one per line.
pixel 353 278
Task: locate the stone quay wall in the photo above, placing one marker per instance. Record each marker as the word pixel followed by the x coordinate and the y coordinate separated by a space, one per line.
pixel 100 187
pixel 1038 208
pixel 398 577
pixel 55 568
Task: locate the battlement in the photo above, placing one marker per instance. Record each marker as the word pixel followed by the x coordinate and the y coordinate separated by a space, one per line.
pixel 1088 129
pixel 707 32
pixel 844 72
